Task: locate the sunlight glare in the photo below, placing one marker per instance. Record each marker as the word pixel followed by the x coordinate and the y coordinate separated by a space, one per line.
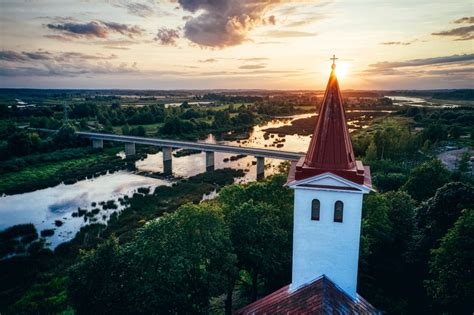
pixel 342 70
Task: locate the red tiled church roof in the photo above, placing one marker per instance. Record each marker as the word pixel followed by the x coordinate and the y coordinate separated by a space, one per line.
pixel 330 149
pixel 321 296
pixel 331 146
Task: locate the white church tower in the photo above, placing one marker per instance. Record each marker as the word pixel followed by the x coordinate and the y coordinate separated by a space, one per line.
pixel 329 185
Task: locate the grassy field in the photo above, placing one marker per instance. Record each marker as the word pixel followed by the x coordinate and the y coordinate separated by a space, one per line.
pixel 44 175
pixel 150 129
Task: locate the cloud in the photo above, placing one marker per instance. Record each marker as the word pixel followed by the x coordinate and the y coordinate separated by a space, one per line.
pixel 466 19
pixel 120 44
pixel 124 29
pixel 253 66
pixel 396 43
pixel 8 55
pixel 38 55
pixel 209 60
pixel 419 66
pixel 222 23
pixel 44 63
pixel 116 47
pixel 451 72
pixel 66 69
pixel 167 36
pixel 300 23
pixel 463 33
pixel 93 29
pixel 271 20
pixel 281 34
pixel 306 18
pixel 62 38
pixel 254 59
pixel 41 55
pixel 140 9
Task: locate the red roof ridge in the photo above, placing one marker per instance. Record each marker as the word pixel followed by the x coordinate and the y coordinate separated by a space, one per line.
pixel 321 296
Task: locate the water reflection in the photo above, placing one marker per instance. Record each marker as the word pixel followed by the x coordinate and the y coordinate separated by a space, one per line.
pixel 418 102
pixel 191 165
pixel 43 207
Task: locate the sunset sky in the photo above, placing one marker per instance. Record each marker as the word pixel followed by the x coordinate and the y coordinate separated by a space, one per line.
pixel 236 44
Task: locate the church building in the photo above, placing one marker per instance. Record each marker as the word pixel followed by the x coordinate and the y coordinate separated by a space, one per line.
pixel 329 185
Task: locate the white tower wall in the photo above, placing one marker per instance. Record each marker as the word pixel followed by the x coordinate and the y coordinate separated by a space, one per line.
pixel 326 247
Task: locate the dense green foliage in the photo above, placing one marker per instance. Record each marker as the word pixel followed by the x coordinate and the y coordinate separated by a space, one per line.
pixel 442 124
pixel 451 275
pixel 174 265
pixel 177 263
pixel 263 248
pixel 419 200
pixel 426 178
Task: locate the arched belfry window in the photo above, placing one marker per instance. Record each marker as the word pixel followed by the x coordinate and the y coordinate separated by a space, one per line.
pixel 338 211
pixel 315 206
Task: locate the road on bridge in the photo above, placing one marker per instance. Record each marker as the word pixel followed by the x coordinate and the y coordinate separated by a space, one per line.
pixel 209 147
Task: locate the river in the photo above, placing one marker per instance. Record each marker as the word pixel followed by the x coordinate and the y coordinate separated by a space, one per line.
pixel 43 207
pixel 418 102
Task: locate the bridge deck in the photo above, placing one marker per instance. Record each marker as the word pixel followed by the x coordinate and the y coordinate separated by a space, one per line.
pixel 274 154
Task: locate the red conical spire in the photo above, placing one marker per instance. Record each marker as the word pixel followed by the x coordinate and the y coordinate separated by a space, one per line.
pixel 330 149
pixel 331 146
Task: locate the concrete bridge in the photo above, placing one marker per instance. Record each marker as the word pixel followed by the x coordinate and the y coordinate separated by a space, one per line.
pixel 168 146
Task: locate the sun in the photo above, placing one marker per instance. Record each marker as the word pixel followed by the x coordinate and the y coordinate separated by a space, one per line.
pixel 342 70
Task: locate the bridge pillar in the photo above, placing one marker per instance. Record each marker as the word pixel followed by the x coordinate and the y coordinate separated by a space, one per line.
pixel 129 149
pixel 167 160
pixel 209 161
pixel 97 143
pixel 260 167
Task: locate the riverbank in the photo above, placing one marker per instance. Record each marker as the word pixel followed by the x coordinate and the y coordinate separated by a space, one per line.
pixel 42 271
pixel 69 169
pixel 357 119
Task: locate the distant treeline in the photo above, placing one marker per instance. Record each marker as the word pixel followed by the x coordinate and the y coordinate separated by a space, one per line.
pixel 461 94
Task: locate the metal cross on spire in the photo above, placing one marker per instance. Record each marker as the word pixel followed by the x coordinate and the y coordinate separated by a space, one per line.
pixel 333 66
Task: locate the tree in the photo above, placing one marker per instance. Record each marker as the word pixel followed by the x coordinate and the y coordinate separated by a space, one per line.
pixel 126 129
pixel 258 246
pixel 19 143
pixel 434 133
pixel 451 275
pixel 426 178
pixel 138 131
pixel 43 298
pixel 375 235
pixel 98 271
pixel 263 248
pixel 462 164
pixel 402 218
pixel 221 119
pixel 437 215
pixel 174 266
pixel 371 153
pixel 455 132
pixel 426 146
pixel 434 218
pixel 387 233
pixel 66 136
pixel 182 260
